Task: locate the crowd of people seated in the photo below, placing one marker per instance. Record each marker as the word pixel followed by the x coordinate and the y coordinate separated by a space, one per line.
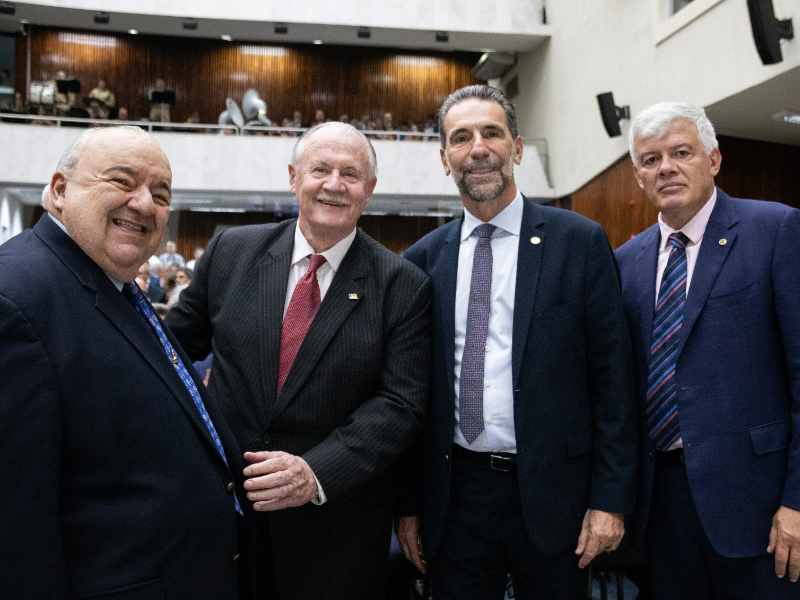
pixel 101 104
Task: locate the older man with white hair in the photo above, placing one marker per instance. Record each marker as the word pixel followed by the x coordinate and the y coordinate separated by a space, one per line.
pixel 118 473
pixel 712 294
pixel 321 342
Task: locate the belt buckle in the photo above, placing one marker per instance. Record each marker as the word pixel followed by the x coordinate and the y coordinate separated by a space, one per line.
pixel 500 463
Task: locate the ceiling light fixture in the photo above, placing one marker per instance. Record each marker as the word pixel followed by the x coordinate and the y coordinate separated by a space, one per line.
pixel 7 8
pixel 227 38
pixel 190 24
pixel 101 18
pixel 281 28
pixel 364 33
pixel 318 42
pixel 442 36
pixel 132 31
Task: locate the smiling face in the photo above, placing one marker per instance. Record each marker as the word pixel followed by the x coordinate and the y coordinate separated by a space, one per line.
pixel 480 154
pixel 676 173
pixel 332 185
pixel 116 205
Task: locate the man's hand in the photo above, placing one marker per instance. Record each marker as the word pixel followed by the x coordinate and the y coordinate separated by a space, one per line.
pixel 784 542
pixel 407 529
pixel 601 532
pixel 278 480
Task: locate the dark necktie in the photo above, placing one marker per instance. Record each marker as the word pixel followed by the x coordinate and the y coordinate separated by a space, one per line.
pixel 471 383
pixel 134 295
pixel 301 311
pixel 662 407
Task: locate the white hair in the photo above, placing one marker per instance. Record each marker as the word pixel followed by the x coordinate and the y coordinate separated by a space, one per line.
pixel 344 128
pixel 68 163
pixel 655 122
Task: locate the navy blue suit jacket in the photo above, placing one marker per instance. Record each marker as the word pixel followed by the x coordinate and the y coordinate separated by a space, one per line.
pixel 574 408
pixel 738 371
pixel 110 484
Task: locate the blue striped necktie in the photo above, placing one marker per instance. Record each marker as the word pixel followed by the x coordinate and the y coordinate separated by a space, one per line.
pixel 135 296
pixel 471 383
pixel 662 406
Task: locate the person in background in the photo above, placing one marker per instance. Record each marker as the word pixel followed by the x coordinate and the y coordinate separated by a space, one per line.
pixel 159 111
pixel 198 252
pixel 105 96
pixel 171 256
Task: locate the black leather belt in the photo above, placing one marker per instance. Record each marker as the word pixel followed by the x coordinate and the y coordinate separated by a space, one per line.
pixel 497 461
pixel 673 457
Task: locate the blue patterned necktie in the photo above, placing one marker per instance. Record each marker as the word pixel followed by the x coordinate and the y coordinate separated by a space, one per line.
pixel 135 296
pixel 662 406
pixel 471 383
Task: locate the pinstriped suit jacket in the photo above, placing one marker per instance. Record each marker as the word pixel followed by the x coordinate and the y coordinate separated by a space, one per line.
pixel 354 399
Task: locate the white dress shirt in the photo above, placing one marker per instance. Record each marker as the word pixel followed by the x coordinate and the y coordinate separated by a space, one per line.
pixel 300 261
pixel 498 391
pixel 694 230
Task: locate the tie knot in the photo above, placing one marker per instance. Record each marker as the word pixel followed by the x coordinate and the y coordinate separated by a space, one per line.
pixel 679 240
pixel 131 291
pixel 316 261
pixel 485 231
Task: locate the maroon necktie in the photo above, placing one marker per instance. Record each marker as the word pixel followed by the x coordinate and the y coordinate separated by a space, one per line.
pixel 302 308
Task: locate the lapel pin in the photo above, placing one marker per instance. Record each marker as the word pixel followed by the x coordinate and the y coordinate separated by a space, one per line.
pixel 723 241
pixel 353 296
pixel 535 240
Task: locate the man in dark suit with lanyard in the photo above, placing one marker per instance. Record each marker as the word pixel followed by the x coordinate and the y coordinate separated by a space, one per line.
pixel 712 294
pixel 528 457
pixel 117 472
pixel 321 342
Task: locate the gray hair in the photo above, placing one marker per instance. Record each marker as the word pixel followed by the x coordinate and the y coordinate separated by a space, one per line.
pixel 68 163
pixel 655 122
pixel 479 92
pixel 343 128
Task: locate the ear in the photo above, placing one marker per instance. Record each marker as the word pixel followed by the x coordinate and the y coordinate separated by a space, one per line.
pixel 517 150
pixel 292 176
pixel 443 155
pixel 58 193
pixel 716 161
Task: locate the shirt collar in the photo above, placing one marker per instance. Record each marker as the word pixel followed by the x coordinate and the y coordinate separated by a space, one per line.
pixel 333 256
pixel 694 229
pixel 509 219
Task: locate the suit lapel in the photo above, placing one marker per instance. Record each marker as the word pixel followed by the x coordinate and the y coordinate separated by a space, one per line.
pixel 645 271
pixel 710 259
pixel 273 275
pixel 529 260
pixel 445 272
pixel 344 294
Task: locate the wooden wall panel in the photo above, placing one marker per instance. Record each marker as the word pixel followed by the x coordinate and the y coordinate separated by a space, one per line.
pixel 616 201
pixel 396 233
pixel 204 72
pixel 750 169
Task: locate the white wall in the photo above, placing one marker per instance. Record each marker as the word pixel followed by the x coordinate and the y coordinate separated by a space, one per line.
pixel 10 217
pixel 29 154
pixel 611 45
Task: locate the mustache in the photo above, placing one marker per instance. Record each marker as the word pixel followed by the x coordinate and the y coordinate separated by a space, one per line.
pixel 331 199
pixel 483 163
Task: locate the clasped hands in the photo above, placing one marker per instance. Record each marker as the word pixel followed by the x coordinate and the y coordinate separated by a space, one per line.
pixel 278 480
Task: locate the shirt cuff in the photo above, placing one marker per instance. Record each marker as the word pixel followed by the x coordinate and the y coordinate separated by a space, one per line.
pixel 321 497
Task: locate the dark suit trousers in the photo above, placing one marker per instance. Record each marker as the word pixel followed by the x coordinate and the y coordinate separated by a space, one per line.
pixel 682 562
pixel 485 538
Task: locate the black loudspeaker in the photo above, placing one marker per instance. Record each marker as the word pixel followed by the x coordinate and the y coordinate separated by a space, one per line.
pixel 768 31
pixel 612 114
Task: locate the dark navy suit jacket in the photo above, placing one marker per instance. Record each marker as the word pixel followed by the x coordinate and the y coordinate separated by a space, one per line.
pixel 574 408
pixel 110 484
pixel 738 371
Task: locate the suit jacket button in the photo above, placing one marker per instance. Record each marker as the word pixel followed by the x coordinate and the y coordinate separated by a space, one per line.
pixel 236 557
pixel 231 486
pixel 265 439
pixel 446 458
